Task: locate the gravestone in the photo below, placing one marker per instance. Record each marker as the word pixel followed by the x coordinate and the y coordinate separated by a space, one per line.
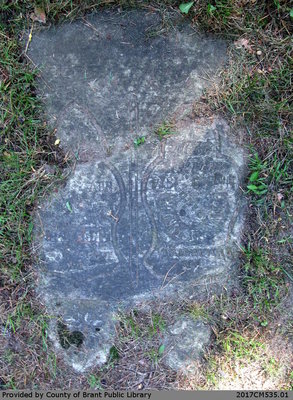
pixel 131 222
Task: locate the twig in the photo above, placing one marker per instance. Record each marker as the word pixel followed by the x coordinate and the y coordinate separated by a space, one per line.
pixel 29 38
pixel 168 274
pixel 89 25
pixel 2 34
pixel 109 213
pixel 174 277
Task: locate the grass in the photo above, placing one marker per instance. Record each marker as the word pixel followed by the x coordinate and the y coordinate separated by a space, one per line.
pixel 246 354
pixel 139 351
pixel 270 176
pixel 244 363
pixel 255 93
pixel 240 347
pixel 131 324
pixel 198 311
pixel 263 282
pixel 30 164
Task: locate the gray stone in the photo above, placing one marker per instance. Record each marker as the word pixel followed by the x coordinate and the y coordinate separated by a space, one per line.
pixel 111 68
pixel 185 343
pixel 131 223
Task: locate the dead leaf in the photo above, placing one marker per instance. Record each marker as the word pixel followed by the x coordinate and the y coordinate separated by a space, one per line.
pixel 280 197
pixel 39 15
pixel 243 42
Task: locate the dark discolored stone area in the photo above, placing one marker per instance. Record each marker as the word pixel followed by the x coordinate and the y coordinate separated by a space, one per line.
pixel 131 223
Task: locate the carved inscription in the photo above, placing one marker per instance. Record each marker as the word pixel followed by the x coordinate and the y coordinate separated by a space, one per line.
pixel 135 217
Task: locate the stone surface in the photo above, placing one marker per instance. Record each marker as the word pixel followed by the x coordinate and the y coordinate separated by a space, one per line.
pixel 131 223
pixel 185 342
pixel 112 68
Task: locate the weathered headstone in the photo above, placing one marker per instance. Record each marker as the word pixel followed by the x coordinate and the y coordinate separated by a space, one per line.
pixel 131 222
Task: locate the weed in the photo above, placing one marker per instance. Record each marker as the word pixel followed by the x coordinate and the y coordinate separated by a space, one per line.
pixel 139 329
pixel 131 326
pixel 269 175
pixel 288 239
pixel 139 141
pixel 271 367
pixel 155 353
pixel 199 311
pixel 42 323
pixel 68 206
pixel 95 382
pixel 157 325
pixel 8 356
pixel 211 372
pixel 52 363
pixel 256 180
pixel 114 354
pixel 185 7
pixel 10 324
pixel 165 129
pixel 211 9
pixel 11 384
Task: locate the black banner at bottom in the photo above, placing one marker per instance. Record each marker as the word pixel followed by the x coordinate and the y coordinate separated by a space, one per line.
pixel 148 395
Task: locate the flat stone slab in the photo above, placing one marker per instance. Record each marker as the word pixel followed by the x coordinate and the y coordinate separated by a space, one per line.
pixel 113 68
pixel 185 342
pixel 131 222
